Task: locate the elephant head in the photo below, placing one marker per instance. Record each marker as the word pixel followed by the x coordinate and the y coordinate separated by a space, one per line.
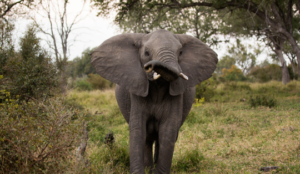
pixel 132 60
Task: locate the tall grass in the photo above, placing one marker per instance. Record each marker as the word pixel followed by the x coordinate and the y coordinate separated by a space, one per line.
pixel 226 135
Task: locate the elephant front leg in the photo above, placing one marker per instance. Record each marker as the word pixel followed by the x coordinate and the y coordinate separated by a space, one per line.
pixel 167 139
pixel 168 132
pixel 137 136
pixel 136 147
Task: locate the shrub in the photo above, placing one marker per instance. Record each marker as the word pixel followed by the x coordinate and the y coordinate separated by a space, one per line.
pixel 31 78
pixel 266 73
pixel 83 85
pixel 98 82
pixel 263 100
pixel 206 89
pixel 233 74
pixel 37 137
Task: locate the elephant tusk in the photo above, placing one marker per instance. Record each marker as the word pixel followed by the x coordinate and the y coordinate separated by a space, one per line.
pixel 183 76
pixel 156 75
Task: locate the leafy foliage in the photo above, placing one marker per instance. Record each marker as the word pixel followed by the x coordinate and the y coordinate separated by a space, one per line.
pixel 266 73
pixel 83 85
pixel 31 74
pixel 81 66
pixel 6 44
pixel 226 62
pixel 243 55
pixel 206 89
pixel 233 74
pixel 135 18
pixel 37 137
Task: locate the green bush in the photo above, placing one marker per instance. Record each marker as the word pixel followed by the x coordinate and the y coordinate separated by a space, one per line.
pixel 266 73
pixel 99 82
pixel 233 74
pixel 263 100
pixel 206 89
pixel 38 137
pixel 31 78
pixel 83 85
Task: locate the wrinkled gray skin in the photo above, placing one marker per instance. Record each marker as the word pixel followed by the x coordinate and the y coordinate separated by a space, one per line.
pixel 154 109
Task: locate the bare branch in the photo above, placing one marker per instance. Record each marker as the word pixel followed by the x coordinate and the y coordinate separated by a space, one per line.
pixel 9 7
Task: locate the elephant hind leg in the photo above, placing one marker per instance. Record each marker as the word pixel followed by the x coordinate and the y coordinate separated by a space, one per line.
pixel 148 156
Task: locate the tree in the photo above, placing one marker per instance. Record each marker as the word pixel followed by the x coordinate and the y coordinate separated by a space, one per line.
pixel 277 43
pixel 226 62
pixel 202 22
pixel 8 7
pixel 287 50
pixel 243 55
pixel 233 74
pixel 6 44
pixel 281 17
pixel 59 32
pixel 81 65
pixel 31 72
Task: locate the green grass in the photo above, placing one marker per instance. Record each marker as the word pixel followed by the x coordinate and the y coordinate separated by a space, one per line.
pixel 226 135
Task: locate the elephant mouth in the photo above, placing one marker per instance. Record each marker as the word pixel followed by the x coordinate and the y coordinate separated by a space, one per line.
pixel 159 69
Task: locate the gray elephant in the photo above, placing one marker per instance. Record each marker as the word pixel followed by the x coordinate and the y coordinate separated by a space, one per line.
pixel 156 75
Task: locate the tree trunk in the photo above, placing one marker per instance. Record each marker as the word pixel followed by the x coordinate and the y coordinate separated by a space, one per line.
pixel 285 72
pixel 296 50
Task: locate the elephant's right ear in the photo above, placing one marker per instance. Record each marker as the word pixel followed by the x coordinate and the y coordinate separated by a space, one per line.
pixel 117 59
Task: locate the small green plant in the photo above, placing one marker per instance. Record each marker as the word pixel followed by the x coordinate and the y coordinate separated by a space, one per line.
pixel 263 100
pixel 83 85
pixel 199 102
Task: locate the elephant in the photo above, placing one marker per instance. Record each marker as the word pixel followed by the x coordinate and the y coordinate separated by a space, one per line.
pixel 155 76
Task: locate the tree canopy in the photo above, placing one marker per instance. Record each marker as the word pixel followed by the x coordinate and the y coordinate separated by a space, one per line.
pixel 272 19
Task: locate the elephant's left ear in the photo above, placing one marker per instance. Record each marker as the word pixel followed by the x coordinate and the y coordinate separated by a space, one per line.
pixel 197 61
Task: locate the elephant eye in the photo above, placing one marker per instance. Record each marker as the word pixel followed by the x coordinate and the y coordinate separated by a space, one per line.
pixel 147 53
pixel 180 53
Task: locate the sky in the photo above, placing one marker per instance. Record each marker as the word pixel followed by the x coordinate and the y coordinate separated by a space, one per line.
pixel 91 30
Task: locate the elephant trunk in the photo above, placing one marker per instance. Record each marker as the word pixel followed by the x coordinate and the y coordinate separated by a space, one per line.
pixel 168 72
